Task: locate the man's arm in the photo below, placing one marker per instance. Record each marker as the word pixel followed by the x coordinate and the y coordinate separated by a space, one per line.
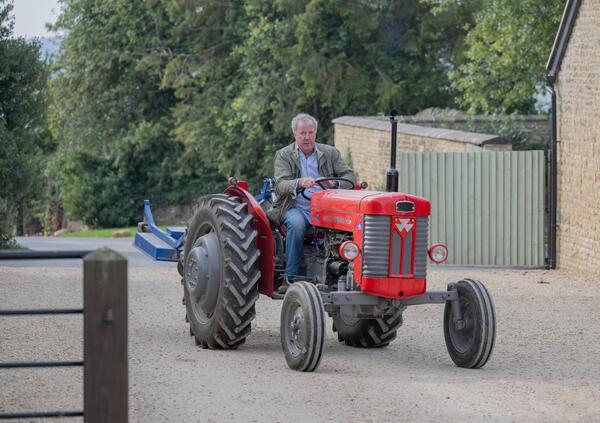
pixel 342 170
pixel 285 183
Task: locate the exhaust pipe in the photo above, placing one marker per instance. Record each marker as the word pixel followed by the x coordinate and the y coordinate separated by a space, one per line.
pixel 392 173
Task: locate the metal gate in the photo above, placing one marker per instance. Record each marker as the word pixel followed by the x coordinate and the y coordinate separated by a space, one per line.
pixel 487 207
pixel 105 375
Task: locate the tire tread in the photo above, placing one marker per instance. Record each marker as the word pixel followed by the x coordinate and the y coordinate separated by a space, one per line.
pixel 239 291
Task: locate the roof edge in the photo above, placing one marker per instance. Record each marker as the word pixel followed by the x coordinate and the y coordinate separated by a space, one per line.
pixel 562 39
pixel 453 135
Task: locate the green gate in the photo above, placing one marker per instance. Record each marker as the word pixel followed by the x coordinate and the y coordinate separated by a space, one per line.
pixel 487 207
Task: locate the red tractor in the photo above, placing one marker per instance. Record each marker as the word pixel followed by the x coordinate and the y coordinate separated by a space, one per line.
pixel 365 261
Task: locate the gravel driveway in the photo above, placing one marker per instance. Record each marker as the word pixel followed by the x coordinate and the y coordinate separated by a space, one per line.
pixel 545 366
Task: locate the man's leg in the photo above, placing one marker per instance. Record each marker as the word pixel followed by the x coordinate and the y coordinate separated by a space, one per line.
pixel 295 223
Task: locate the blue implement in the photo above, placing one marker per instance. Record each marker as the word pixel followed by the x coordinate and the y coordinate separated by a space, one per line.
pixel 159 245
pixel 168 246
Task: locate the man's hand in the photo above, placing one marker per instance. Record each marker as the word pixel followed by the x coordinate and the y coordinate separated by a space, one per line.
pixel 330 184
pixel 306 182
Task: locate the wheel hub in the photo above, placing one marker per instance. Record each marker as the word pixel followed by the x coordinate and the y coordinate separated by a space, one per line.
pixel 463 331
pixel 297 331
pixel 203 272
pixel 297 325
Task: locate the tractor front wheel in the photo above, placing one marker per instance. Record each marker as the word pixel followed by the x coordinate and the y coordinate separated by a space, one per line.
pixel 220 272
pixel 470 339
pixel 302 326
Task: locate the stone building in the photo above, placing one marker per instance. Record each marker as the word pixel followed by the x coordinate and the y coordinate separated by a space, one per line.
pixel 365 141
pixel 574 73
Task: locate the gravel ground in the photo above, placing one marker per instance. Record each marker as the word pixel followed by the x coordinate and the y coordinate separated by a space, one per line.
pixel 545 366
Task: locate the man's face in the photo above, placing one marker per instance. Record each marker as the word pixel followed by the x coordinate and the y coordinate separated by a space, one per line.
pixel 305 135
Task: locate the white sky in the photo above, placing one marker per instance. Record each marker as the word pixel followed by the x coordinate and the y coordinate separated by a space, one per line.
pixel 31 17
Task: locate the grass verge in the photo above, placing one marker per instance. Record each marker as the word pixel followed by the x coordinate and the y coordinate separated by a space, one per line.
pixel 105 233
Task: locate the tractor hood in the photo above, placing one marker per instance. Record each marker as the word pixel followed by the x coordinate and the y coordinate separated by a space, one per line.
pixel 341 209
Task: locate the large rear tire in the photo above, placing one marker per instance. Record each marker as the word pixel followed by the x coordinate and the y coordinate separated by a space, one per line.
pixel 220 272
pixel 302 326
pixel 367 333
pixel 471 341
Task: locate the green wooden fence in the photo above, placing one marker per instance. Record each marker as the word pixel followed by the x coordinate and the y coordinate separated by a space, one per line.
pixel 487 207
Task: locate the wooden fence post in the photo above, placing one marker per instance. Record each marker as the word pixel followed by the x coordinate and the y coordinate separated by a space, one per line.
pixel 105 337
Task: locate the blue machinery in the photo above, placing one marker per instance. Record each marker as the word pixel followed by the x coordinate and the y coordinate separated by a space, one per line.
pixel 167 246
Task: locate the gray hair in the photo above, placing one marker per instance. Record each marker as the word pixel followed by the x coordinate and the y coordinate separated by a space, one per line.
pixel 301 117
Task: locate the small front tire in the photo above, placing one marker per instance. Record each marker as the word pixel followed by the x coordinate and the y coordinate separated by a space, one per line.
pixel 302 326
pixel 470 342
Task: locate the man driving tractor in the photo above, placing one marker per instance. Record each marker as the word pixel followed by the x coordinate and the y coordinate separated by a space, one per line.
pixel 296 168
pixel 367 264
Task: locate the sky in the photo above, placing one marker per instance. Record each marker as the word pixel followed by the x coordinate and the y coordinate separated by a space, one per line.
pixel 31 17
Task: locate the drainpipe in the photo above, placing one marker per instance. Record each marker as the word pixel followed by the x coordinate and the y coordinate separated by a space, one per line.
pixel 553 196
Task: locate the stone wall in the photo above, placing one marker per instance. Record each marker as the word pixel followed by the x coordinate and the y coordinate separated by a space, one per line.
pixel 365 142
pixel 578 121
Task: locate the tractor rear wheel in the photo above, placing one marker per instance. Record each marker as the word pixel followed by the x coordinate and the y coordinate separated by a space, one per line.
pixel 470 341
pixel 220 272
pixel 367 333
pixel 302 328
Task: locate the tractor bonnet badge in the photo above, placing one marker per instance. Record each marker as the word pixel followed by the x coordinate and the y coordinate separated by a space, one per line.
pixel 404 226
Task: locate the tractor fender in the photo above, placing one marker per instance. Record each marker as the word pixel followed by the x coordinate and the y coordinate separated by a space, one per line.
pixel 264 241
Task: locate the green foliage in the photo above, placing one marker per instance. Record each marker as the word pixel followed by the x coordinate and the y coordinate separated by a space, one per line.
pixel 164 100
pixel 324 57
pixel 22 106
pixel 111 112
pixel 511 127
pixel 506 54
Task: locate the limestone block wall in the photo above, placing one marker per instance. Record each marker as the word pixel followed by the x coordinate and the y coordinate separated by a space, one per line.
pixel 365 141
pixel 578 125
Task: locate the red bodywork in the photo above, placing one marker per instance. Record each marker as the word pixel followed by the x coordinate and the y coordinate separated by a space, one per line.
pixel 344 210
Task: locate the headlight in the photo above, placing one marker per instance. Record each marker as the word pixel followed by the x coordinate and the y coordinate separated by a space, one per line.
pixel 349 250
pixel 438 253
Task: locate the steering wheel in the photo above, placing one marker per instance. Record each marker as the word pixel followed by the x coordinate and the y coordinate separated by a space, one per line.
pixel 319 182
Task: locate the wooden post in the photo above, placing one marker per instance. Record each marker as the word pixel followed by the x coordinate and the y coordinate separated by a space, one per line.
pixel 105 337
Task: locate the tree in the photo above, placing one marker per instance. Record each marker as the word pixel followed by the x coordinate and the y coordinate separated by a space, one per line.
pixel 111 112
pixel 22 113
pixel 505 57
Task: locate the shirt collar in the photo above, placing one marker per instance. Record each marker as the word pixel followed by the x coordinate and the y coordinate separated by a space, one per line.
pixel 299 152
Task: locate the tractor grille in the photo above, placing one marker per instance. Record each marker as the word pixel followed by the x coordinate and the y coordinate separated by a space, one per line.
pixel 376 245
pixel 421 247
pixel 376 248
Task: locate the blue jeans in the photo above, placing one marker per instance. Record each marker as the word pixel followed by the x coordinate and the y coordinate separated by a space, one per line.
pixel 296 225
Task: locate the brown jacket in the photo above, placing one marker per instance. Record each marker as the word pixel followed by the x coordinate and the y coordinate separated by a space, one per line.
pixel 287 172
